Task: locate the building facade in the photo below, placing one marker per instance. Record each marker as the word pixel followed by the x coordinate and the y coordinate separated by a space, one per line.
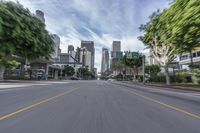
pixel 105 60
pixel 116 49
pixel 149 58
pixel 56 40
pixel 85 58
pixel 70 48
pixel 71 51
pixel 89 45
pixel 40 15
pixel 116 46
pixel 67 59
pixel 185 58
pixel 116 55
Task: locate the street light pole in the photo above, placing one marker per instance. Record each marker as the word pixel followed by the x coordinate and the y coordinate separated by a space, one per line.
pixel 83 58
pixel 143 68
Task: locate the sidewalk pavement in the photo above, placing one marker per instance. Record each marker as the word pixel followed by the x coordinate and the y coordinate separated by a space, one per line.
pixel 26 83
pixel 164 86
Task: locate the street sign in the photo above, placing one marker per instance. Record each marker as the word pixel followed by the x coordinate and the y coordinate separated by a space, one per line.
pixel 135 55
pixel 119 55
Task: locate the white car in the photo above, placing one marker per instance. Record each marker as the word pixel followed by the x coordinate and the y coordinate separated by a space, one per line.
pixel 111 79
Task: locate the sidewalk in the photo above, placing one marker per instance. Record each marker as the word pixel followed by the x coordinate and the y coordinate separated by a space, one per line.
pixel 164 86
pixel 26 83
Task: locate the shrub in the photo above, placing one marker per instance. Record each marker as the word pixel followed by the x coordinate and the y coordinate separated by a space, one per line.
pixel 178 78
pixel 119 77
pixel 196 75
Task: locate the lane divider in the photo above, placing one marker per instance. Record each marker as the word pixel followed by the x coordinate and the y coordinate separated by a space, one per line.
pixel 164 104
pixel 36 104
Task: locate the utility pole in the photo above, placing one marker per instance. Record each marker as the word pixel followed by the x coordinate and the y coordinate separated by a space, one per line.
pixel 143 68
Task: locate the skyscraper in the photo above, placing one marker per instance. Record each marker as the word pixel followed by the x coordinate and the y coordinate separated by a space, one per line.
pixel 116 55
pixel 105 60
pixel 40 15
pixel 116 46
pixel 84 57
pixel 89 45
pixel 116 50
pixel 71 51
pixel 56 40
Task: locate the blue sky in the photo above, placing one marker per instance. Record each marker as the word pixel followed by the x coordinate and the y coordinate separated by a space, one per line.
pixel 101 21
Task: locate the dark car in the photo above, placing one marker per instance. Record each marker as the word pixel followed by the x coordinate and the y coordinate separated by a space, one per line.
pixel 74 78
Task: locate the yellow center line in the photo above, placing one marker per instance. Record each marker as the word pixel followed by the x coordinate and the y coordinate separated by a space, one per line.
pixel 36 104
pixel 164 104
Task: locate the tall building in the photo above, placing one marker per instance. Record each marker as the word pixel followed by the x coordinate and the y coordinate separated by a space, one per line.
pixel 116 46
pixel 85 58
pixel 105 60
pixel 116 55
pixel 71 51
pixel 56 40
pixel 40 15
pixel 89 45
pixel 78 54
pixel 116 50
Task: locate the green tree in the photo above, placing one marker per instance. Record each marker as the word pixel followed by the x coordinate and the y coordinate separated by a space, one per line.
pixel 174 31
pixel 134 63
pixel 152 70
pixel 117 65
pixel 69 70
pixel 82 72
pixel 156 32
pixel 181 26
pixel 185 23
pixel 21 34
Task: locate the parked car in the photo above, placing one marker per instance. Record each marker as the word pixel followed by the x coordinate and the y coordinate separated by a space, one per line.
pixel 74 78
pixel 111 79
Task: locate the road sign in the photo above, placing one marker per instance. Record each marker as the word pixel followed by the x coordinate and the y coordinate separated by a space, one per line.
pixel 119 55
pixel 135 55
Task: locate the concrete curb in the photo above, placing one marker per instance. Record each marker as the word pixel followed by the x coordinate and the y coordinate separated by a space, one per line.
pixel 165 86
pixel 176 88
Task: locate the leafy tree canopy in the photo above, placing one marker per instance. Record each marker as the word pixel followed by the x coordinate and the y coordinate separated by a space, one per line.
pixel 22 34
pixel 133 63
pixel 182 21
pixel 152 70
pixel 69 70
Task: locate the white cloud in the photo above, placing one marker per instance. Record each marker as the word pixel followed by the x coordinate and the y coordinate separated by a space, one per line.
pixel 101 21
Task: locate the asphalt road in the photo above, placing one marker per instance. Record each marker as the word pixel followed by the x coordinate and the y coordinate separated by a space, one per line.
pixel 97 107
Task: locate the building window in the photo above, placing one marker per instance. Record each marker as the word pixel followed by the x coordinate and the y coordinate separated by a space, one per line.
pixel 198 54
pixel 184 57
pixel 194 54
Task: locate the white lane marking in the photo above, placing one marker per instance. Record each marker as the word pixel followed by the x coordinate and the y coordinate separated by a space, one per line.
pixel 191 94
